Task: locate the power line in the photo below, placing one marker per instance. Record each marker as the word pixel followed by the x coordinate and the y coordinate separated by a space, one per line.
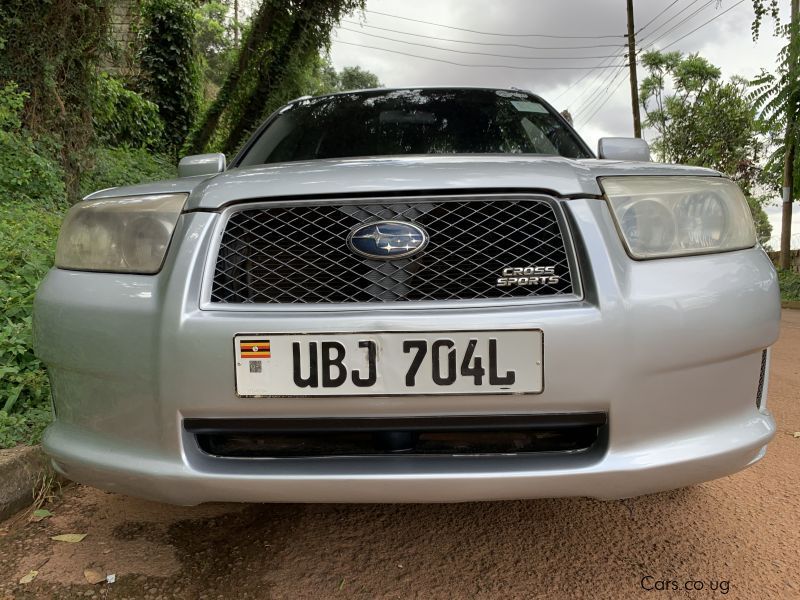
pixel 607 98
pixel 595 89
pixel 571 37
pixel 507 44
pixel 643 27
pixel 671 19
pixel 607 81
pixel 681 22
pixel 714 18
pixel 484 66
pixel 614 86
pixel 582 78
pixel 383 37
pixel 601 100
pixel 598 76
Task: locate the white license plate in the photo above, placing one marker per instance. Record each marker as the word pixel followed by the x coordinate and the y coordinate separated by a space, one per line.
pixel 389 364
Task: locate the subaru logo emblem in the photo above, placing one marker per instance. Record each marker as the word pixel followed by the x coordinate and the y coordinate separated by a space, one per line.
pixel 387 239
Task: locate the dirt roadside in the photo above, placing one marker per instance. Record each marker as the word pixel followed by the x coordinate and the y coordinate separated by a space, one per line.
pixel 739 535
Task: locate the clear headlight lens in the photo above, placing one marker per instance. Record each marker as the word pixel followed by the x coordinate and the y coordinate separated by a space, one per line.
pixel 658 217
pixel 120 235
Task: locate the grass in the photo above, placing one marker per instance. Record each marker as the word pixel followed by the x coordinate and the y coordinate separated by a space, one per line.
pixel 46 489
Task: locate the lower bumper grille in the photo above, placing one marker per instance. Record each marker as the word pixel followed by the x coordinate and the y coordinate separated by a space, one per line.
pixel 299 253
pixel 302 438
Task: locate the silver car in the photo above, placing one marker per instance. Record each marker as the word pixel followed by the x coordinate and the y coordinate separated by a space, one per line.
pixel 410 295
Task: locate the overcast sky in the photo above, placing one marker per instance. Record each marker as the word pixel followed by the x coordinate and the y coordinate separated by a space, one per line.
pixel 537 29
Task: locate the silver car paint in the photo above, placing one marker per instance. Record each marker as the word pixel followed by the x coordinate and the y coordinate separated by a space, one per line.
pixel 671 349
pixel 561 176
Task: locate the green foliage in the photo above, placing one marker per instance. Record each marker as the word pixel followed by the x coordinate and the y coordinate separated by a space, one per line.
pixel 215 42
pixel 282 42
pixel 761 9
pixel 319 77
pixel 27 242
pixel 170 69
pixel 12 101
pixel 790 285
pixel 356 78
pixel 760 219
pixel 26 172
pixel 322 77
pixel 704 121
pixel 24 427
pixel 51 48
pixel 124 118
pixel 776 96
pixel 126 166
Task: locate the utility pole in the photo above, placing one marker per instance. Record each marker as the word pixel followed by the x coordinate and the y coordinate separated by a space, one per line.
pixel 790 150
pixel 637 120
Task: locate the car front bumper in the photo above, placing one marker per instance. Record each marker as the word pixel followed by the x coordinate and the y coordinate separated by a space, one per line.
pixel 670 350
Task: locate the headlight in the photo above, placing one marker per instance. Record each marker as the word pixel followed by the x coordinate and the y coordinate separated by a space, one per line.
pixel 659 217
pixel 120 235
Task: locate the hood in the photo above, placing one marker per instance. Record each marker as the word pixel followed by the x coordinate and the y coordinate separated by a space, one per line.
pixel 557 176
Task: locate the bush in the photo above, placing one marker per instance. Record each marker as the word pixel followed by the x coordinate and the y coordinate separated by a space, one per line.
pixel 125 166
pixel 790 285
pixel 52 49
pixel 28 233
pixel 27 172
pixel 122 117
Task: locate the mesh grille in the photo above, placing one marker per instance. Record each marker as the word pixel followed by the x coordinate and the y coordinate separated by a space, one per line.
pixel 299 254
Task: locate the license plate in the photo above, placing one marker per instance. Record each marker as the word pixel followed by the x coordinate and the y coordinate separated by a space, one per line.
pixel 389 363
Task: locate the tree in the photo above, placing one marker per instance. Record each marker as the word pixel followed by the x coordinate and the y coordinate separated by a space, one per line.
pixel 322 78
pixel 216 41
pixel 704 121
pixel 356 78
pixel 777 96
pixel 170 69
pixel 283 40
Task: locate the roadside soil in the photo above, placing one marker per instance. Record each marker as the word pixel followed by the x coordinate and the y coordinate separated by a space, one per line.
pixel 737 537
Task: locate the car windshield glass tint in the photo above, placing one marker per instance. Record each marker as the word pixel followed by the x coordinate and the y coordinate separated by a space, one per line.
pixel 425 121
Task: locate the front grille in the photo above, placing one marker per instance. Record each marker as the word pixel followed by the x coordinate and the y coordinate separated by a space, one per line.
pixel 298 253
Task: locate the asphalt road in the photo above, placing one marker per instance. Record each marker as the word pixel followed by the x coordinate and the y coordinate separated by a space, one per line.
pixel 737 537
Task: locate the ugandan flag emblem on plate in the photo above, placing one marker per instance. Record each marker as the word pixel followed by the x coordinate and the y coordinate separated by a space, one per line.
pixel 254 349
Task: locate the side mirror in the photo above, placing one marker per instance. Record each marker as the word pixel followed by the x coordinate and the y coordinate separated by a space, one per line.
pixel 620 148
pixel 201 164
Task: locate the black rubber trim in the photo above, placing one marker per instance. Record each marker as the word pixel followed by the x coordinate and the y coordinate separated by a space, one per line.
pixel 377 424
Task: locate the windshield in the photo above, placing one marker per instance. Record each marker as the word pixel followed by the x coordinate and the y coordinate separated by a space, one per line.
pixel 426 121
